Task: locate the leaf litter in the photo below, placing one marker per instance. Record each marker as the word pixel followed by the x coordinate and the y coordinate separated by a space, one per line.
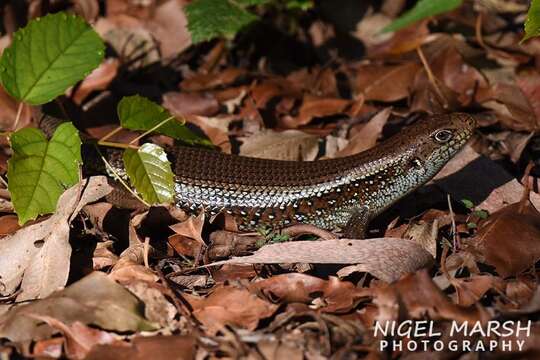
pixel 97 282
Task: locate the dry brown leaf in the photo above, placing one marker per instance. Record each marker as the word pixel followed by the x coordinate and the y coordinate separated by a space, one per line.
pixel 228 305
pixel 276 350
pixel 190 103
pixel 417 296
pixel 79 338
pixel 157 308
pixel 517 112
pixel 509 239
pixel 376 256
pixel 424 233
pixel 403 41
pixel 191 228
pixel 95 299
pixel 368 135
pixel 333 295
pixel 292 145
pixel 99 79
pixel 216 128
pixel 50 348
pixel 471 289
pixel 199 82
pixel 130 40
pixel 148 347
pixel 386 83
pixel 313 107
pixel 9 224
pixel 40 253
pixel 88 9
pixel 8 112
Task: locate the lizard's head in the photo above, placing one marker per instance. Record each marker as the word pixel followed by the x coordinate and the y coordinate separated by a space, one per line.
pixel 435 141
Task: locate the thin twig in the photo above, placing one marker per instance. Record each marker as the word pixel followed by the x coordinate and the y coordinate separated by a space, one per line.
pixel 146 250
pixel 111 133
pixel 18 117
pixel 122 181
pixel 4 182
pixel 151 130
pixel 430 75
pixel 455 240
pixel 117 145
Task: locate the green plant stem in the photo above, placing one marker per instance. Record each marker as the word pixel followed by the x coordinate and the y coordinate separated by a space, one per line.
pixel 151 130
pixel 18 117
pixel 117 145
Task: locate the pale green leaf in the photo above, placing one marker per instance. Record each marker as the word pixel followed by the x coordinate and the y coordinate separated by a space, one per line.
pixel 423 9
pixel 48 56
pixel 139 113
pixel 208 19
pixel 532 24
pixel 149 171
pixel 39 170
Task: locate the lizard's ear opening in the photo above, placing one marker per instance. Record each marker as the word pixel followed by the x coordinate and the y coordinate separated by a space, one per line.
pixel 416 163
pixel 443 135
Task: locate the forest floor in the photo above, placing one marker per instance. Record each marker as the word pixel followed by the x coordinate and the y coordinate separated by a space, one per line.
pixel 295 85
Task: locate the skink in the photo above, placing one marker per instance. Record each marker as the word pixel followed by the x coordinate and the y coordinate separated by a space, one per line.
pixel 343 193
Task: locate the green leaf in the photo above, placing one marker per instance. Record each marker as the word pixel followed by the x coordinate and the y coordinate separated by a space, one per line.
pixel 303 5
pixel 150 173
pixel 48 56
pixel 468 203
pixel 532 24
pixel 139 113
pixel 39 170
pixel 208 19
pixel 482 214
pixel 423 9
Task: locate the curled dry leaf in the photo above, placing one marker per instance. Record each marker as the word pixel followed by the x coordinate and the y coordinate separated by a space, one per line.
pixel 40 253
pixel 376 256
pixel 228 305
pixel 292 145
pixel 509 239
pixel 336 295
pixel 187 239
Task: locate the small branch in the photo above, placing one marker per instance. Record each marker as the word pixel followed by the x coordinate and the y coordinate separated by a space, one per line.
pixel 117 145
pixel 111 133
pixel 18 117
pixel 151 130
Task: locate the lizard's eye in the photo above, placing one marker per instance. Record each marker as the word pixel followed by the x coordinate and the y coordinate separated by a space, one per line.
pixel 442 136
